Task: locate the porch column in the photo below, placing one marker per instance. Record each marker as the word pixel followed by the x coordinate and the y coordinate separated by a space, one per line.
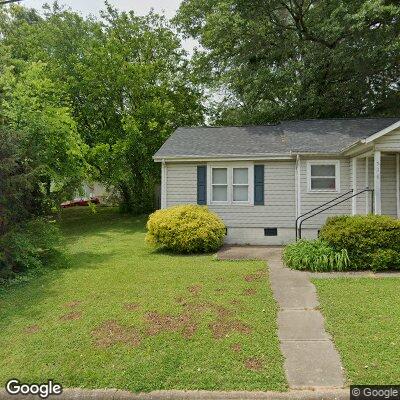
pixel 377 183
pixel 354 185
pixel 367 194
pixel 298 186
pixel 398 183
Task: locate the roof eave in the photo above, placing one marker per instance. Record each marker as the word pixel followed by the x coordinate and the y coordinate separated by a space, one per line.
pixel 243 157
pixel 381 133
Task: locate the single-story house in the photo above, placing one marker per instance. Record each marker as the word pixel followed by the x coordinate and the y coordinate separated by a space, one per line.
pixel 261 179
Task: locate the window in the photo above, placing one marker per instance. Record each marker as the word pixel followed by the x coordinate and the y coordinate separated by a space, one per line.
pixel 323 176
pixel 240 184
pixel 220 184
pixel 231 184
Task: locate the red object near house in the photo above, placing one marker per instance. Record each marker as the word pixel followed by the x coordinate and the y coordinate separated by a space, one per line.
pixel 80 202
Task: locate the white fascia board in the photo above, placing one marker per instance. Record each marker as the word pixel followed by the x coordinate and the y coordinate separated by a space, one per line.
pixel 382 132
pixel 224 158
pixel 353 147
pixel 256 157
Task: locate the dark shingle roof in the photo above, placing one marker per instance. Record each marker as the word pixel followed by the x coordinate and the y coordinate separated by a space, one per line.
pixel 308 136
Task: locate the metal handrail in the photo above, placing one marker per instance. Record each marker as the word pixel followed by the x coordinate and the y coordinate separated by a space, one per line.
pixel 298 229
pixel 316 208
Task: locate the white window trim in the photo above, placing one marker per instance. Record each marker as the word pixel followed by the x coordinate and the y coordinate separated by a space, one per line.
pixel 230 167
pixel 211 185
pixel 336 163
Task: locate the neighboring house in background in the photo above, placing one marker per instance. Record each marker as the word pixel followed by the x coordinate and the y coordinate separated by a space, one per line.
pixel 93 192
pixel 259 179
pixel 96 189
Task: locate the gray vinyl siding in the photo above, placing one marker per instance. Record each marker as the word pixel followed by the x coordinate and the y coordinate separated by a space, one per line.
pixel 388 183
pixel 280 193
pixel 279 209
pixel 181 184
pixel 310 200
pixel 362 183
pixel 390 140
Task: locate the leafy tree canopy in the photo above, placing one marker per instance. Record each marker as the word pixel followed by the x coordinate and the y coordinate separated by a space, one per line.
pixel 127 81
pixel 282 59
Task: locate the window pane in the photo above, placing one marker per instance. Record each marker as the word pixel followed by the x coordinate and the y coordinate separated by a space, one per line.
pixel 219 175
pixel 323 183
pixel 241 193
pixel 220 193
pixel 240 176
pixel 322 170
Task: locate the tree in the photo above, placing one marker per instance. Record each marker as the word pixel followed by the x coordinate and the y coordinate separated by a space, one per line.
pixel 26 237
pixel 34 106
pixel 282 59
pixel 129 85
pixel 41 160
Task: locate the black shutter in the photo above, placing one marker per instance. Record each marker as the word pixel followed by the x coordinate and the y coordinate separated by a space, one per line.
pixel 259 185
pixel 202 184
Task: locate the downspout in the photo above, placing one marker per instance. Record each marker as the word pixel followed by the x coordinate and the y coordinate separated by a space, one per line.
pixel 163 184
pixel 298 189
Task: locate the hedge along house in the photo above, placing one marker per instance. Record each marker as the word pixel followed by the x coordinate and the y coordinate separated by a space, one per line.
pixel 260 179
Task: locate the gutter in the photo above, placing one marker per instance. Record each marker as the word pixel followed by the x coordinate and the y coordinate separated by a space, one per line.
pixel 244 157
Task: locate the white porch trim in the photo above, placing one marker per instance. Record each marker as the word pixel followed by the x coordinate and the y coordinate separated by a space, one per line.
pixel 354 185
pixel 298 186
pixel 382 132
pixel 377 183
pixel 398 183
pixel 367 207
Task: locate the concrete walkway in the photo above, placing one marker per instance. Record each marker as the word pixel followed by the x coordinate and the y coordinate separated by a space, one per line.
pixel 311 360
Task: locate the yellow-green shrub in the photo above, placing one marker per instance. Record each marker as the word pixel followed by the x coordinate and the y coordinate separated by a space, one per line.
pixel 186 229
pixel 364 237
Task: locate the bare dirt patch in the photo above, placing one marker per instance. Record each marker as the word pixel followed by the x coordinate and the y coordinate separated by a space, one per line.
pixel 186 323
pixel 256 276
pixel 73 315
pixel 158 323
pixel 224 326
pixel 31 329
pixel 221 327
pixel 236 303
pixel 131 306
pixel 73 304
pixel 254 364
pixel 249 292
pixel 195 289
pixel 236 347
pixel 221 311
pixel 111 332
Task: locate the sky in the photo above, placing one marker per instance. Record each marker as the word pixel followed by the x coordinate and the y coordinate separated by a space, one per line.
pixel 140 7
pixel 93 6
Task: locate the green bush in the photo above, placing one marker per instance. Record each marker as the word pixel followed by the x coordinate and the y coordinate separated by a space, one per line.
pixel 363 236
pixel 314 255
pixel 385 259
pixel 27 246
pixel 186 229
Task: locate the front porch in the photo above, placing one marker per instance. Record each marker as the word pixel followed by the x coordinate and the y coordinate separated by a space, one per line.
pixel 379 170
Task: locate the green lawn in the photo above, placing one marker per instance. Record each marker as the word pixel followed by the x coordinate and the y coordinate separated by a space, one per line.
pixel 363 316
pixel 125 316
